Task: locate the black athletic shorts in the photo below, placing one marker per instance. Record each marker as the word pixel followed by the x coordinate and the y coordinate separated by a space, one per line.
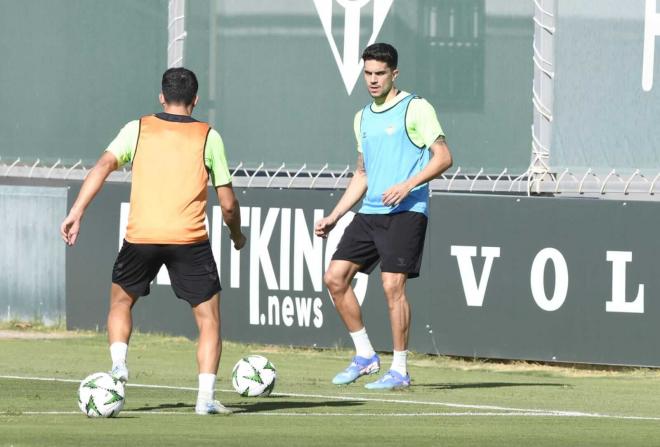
pixel 396 240
pixel 192 269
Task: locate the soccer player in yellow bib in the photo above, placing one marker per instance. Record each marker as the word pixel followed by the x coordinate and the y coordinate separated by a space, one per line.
pixel 401 147
pixel 173 156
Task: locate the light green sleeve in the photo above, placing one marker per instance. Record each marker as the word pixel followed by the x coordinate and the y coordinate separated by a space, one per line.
pixel 356 128
pixel 124 144
pixel 215 159
pixel 422 123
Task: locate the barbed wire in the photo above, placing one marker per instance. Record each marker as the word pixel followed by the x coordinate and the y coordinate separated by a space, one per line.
pixel 587 181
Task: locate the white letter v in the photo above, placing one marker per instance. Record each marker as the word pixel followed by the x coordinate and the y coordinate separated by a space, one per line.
pixel 474 295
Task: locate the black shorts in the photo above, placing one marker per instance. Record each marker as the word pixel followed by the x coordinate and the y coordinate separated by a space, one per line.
pixel 396 240
pixel 192 269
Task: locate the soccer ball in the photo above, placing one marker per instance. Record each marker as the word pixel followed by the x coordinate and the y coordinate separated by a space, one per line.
pixel 253 376
pixel 101 395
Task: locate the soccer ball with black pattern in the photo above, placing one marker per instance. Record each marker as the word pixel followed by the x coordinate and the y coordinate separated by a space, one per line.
pixel 101 395
pixel 254 376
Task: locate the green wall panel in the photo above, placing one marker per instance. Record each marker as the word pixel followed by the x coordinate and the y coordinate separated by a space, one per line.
pixel 271 85
pixel 75 71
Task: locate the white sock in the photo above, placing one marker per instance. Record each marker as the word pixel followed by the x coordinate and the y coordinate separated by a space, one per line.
pixel 363 346
pixel 206 387
pixel 400 362
pixel 118 352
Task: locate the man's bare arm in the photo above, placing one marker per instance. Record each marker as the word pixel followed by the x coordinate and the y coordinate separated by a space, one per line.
pixel 91 186
pixel 356 189
pixel 231 214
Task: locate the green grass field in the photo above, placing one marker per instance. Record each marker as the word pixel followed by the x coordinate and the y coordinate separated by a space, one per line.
pixel 451 402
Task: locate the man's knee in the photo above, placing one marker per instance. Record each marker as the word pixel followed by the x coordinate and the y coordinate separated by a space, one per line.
pixel 208 325
pixel 207 313
pixel 394 287
pixel 119 297
pixel 336 283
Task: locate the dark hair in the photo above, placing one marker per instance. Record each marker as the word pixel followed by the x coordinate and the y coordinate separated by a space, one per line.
pixel 179 86
pixel 382 52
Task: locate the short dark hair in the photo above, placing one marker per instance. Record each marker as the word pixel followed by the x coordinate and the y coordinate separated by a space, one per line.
pixel 382 52
pixel 179 86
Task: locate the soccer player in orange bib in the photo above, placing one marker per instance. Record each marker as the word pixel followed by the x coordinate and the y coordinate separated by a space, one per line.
pixel 173 156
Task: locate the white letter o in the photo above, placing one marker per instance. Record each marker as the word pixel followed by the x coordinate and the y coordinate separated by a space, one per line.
pixel 561 279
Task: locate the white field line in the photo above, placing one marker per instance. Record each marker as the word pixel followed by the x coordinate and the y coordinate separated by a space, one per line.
pixel 508 410
pixel 270 413
pixel 267 413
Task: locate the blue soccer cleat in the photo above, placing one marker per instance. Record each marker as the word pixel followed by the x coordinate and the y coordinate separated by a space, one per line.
pixel 392 380
pixel 359 367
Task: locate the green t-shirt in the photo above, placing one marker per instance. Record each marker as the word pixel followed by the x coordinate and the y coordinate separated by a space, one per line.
pixel 421 121
pixel 124 145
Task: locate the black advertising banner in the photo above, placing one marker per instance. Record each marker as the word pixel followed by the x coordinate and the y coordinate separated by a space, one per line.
pixel 502 277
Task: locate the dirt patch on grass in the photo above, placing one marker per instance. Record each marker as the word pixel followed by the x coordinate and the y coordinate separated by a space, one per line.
pixel 538 368
pixel 38 335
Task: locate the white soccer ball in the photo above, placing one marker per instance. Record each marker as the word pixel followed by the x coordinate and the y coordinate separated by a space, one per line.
pixel 253 376
pixel 101 395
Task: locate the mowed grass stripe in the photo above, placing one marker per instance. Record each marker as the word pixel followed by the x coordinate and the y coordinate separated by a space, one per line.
pixel 289 414
pixel 496 410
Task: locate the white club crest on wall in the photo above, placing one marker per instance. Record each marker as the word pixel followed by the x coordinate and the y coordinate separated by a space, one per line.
pixel 350 65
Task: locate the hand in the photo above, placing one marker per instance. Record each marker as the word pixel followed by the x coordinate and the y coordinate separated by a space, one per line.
pixel 395 194
pixel 238 240
pixel 70 228
pixel 324 226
